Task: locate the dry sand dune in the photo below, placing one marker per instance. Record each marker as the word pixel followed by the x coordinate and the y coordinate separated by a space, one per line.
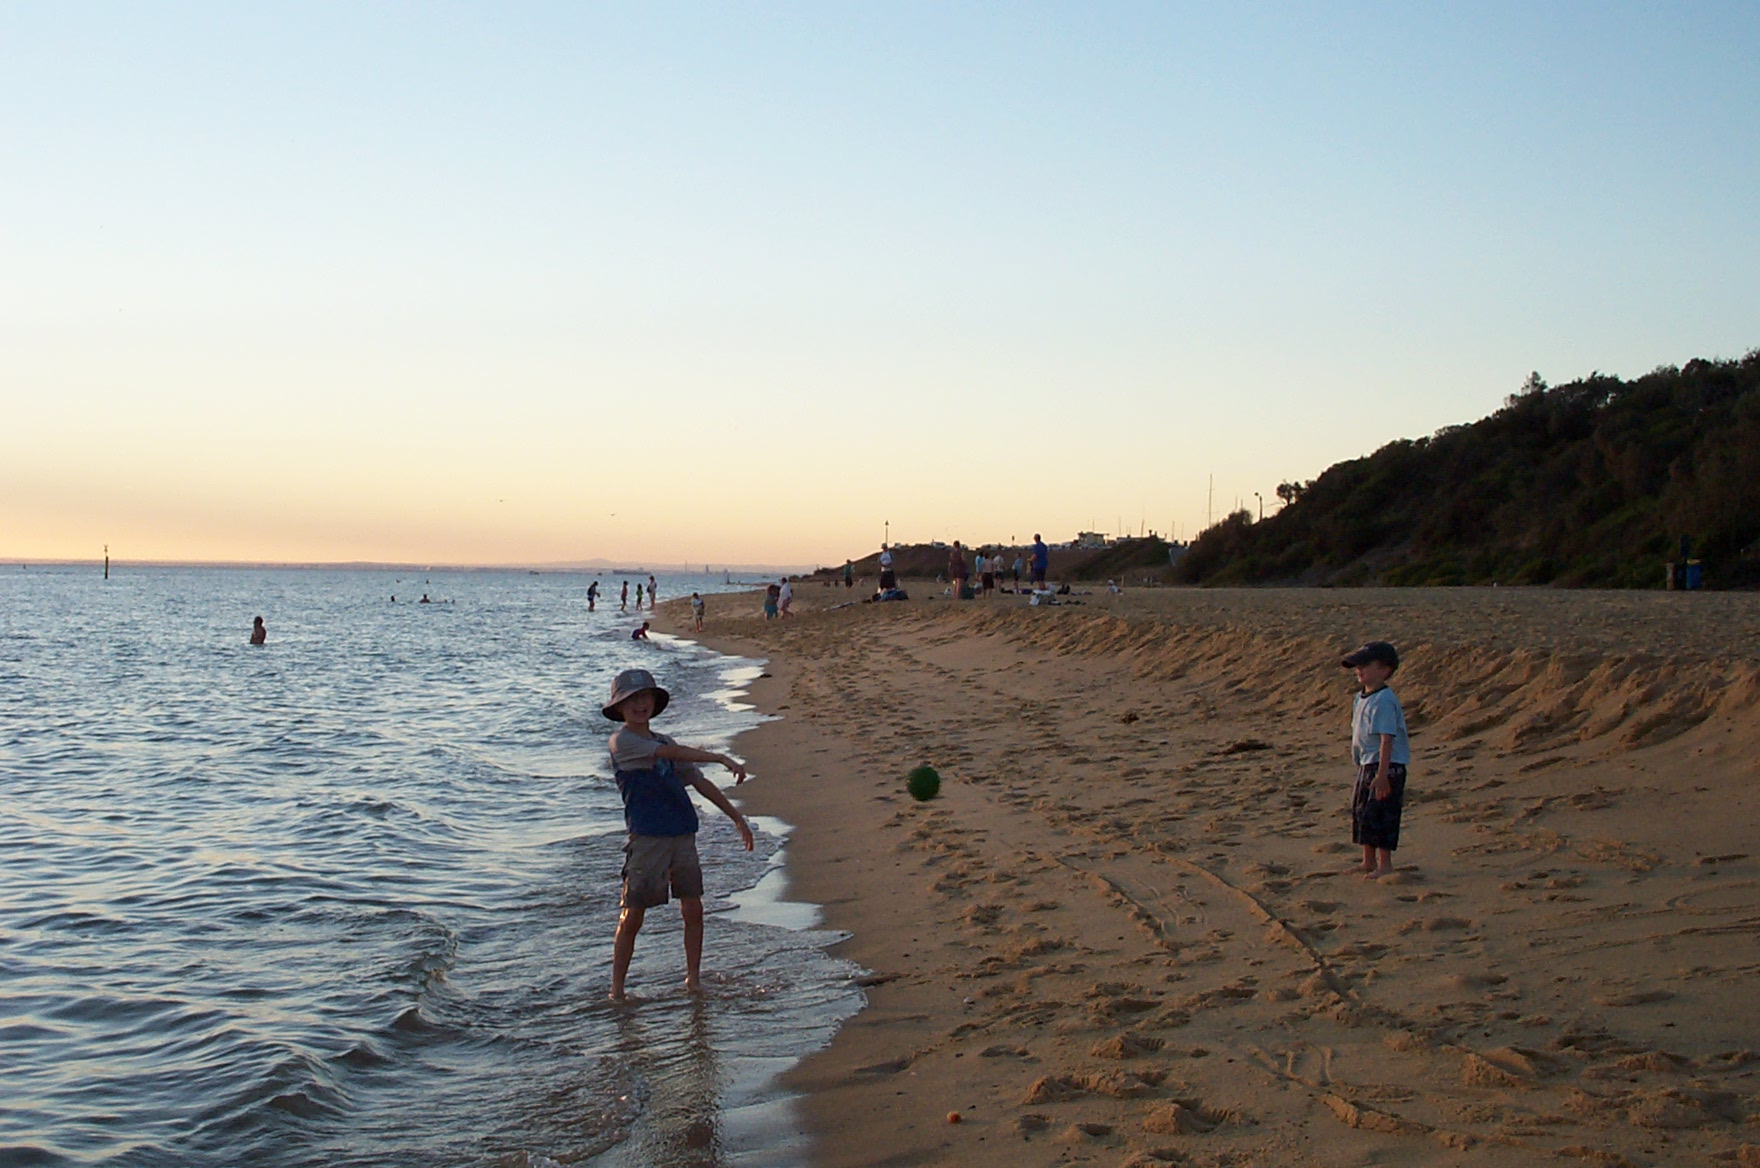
pixel 1123 935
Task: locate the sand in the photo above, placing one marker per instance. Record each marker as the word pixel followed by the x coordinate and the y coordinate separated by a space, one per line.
pixel 1123 933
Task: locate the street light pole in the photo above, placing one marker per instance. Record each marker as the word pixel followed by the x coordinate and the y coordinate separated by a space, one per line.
pixel 1261 499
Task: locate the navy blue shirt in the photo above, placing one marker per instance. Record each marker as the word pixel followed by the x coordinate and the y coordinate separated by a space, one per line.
pixel 656 800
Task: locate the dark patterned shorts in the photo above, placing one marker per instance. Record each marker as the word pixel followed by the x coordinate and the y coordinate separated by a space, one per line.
pixel 1375 822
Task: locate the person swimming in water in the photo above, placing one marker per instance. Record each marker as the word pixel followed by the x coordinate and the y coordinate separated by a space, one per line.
pixel 259 634
pixel 640 634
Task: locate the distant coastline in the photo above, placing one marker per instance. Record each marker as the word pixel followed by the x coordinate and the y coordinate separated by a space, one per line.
pixel 576 567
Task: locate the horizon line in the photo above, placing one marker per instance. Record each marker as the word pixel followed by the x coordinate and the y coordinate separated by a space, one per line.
pixel 574 566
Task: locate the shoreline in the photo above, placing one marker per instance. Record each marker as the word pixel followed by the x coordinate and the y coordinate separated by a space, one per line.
pixel 1121 934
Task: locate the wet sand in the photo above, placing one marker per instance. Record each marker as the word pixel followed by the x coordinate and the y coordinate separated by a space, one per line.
pixel 1123 934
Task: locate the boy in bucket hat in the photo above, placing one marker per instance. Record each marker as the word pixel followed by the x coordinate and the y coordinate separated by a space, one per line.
pixel 1381 753
pixel 653 773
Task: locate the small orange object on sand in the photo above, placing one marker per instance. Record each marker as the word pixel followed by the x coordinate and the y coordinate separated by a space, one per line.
pixel 953 1117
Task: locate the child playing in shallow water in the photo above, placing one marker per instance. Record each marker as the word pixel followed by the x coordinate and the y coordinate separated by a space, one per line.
pixel 1381 752
pixel 653 773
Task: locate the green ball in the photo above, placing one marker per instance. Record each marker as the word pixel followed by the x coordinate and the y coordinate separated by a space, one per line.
pixel 923 784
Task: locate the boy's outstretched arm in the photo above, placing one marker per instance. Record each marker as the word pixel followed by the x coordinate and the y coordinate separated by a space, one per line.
pixel 713 794
pixel 692 754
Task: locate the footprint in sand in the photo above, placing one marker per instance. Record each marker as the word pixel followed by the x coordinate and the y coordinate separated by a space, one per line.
pixel 1463 982
pixel 1504 1067
pixel 1015 1052
pixel 1183 1117
pixel 1115 1084
pixel 1436 925
pixel 1629 998
pixel 1125 1046
pixel 1084 1133
pixel 983 916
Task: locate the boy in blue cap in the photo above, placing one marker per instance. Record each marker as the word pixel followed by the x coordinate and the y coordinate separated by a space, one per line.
pixel 1381 752
pixel 653 772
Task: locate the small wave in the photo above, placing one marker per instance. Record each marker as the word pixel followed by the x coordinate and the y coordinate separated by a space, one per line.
pixel 411 1021
pixel 301 1104
pixel 73 921
pixel 363 1056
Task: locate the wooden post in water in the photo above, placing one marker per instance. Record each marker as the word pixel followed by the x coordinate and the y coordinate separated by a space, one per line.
pixel 106 561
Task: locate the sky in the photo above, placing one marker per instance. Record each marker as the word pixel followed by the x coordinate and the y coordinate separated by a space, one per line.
pixel 725 284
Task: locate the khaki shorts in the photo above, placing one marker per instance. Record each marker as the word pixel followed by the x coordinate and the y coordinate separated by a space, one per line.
pixel 654 863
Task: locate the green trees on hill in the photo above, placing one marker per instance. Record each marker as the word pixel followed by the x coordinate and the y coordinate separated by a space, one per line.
pixel 1587 484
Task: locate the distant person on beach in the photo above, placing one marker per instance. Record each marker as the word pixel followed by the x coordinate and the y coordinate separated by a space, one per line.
pixel 771 594
pixel 652 773
pixel 259 632
pixel 640 634
pixel 987 572
pixel 593 596
pixel 1041 561
pixel 1017 573
pixel 623 601
pixel 653 593
pixel 888 580
pixel 696 612
pixel 784 597
pixel 638 596
pixel 849 574
pixel 959 570
pixel 1381 752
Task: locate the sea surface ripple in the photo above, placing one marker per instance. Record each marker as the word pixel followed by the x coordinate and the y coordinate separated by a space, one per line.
pixel 347 898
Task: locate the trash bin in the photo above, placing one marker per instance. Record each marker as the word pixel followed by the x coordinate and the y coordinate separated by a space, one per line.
pixel 1695 575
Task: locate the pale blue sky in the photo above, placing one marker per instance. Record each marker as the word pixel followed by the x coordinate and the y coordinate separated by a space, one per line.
pixel 334 281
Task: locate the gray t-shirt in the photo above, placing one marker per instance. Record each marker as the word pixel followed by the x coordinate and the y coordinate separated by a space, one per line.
pixel 635 752
pixel 1373 715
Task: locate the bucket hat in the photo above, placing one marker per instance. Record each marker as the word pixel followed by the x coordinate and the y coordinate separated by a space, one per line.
pixel 1374 651
pixel 629 683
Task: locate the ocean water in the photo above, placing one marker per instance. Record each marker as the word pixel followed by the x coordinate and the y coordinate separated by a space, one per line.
pixel 348 898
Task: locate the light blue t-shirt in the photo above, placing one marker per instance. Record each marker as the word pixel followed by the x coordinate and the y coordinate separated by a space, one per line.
pixel 1373 715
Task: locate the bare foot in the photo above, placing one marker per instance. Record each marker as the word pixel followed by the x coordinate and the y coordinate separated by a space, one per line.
pixel 1378 873
pixel 1360 870
pixel 693 985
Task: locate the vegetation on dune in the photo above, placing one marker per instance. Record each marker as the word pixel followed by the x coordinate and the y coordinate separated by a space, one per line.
pixel 1588 484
